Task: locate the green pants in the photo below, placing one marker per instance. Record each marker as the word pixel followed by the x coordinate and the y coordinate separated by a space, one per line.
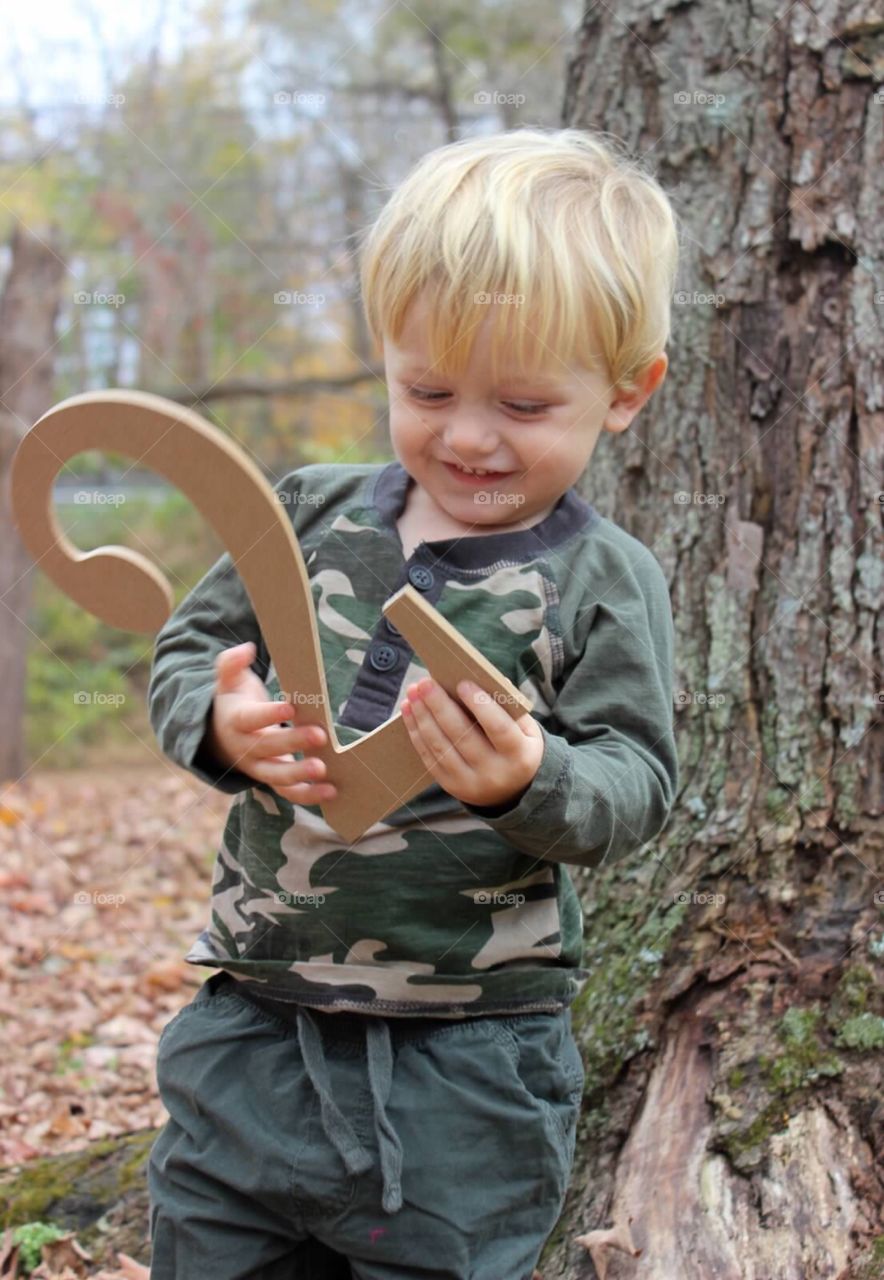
pixel 306 1144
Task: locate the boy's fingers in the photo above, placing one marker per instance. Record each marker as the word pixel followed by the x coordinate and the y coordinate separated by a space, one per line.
pixel 230 662
pixel 292 738
pixel 306 793
pixel 250 716
pixel 291 773
pixel 278 741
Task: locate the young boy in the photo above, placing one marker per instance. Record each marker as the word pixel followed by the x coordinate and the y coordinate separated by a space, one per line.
pixel 381 1079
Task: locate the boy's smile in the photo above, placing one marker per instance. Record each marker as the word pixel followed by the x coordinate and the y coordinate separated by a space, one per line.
pixel 532 436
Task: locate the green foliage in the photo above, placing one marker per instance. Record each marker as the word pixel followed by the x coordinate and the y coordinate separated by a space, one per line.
pixel 69 1058
pixel 30 1237
pixel 804 1058
pixel 854 1011
pixel 854 991
pixel 870 1266
pixel 628 946
pixel 86 681
pixel 863 1032
pixel 358 453
pixel 779 804
pixel 803 1061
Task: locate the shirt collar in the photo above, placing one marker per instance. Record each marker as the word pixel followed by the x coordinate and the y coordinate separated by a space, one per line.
pixel 570 515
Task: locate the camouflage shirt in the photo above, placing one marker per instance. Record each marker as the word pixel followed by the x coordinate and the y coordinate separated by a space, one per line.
pixel 442 909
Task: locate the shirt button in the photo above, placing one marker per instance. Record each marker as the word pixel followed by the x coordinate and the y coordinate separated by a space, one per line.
pixel 421 577
pixel 383 656
pixel 390 627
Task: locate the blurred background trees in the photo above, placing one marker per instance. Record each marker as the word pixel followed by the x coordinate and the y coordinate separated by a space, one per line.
pixel 193 191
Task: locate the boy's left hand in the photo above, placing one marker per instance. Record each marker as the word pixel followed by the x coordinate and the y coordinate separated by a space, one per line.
pixel 486 764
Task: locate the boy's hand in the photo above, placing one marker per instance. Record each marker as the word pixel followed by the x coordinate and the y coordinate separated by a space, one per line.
pixel 242 735
pixel 487 764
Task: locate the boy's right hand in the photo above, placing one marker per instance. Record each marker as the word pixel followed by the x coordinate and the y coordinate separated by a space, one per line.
pixel 242 735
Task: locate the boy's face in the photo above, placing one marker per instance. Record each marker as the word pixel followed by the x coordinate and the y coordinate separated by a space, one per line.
pixel 536 434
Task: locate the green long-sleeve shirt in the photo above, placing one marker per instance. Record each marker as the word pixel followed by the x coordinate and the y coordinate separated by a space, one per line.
pixel 443 908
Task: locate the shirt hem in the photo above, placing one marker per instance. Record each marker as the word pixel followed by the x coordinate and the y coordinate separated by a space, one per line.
pixel 404 1008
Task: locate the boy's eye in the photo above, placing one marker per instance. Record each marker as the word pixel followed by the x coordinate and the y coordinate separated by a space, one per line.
pixel 526 408
pixel 425 395
pixel 518 406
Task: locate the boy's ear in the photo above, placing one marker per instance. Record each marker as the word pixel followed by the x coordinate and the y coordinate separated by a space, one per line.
pixel 626 404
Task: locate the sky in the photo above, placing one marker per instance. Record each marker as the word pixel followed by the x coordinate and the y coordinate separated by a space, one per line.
pixel 55 50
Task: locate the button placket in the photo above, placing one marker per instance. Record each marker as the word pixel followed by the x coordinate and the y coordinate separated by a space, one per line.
pixel 386 658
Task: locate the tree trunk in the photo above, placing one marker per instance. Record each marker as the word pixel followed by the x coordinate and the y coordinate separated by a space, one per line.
pixel 28 312
pixel 732 1027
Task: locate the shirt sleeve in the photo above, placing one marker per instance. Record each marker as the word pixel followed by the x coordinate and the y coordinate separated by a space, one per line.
pixel 608 776
pixel 215 614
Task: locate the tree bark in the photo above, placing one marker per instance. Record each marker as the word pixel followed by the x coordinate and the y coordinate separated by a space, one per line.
pixel 28 312
pixel 732 1025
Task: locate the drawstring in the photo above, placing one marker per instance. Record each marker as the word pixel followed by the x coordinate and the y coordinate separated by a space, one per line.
pixel 380 1075
pixel 336 1125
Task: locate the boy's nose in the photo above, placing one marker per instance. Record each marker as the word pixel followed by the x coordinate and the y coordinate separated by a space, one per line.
pixel 468 437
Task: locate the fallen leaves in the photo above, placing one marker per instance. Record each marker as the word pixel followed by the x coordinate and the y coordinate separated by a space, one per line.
pixel 65 1259
pixel 104 886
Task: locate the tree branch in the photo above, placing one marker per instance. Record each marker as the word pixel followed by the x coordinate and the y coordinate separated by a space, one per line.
pixel 241 388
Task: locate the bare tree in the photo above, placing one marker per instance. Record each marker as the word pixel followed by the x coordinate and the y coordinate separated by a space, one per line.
pixel 28 311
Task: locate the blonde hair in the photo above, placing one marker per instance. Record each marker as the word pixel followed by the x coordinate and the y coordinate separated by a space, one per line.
pixel 576 234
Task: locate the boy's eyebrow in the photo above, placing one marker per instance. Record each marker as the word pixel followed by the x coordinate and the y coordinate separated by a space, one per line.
pixel 516 379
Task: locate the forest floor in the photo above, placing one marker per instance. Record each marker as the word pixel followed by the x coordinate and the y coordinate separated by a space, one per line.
pixel 105 879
